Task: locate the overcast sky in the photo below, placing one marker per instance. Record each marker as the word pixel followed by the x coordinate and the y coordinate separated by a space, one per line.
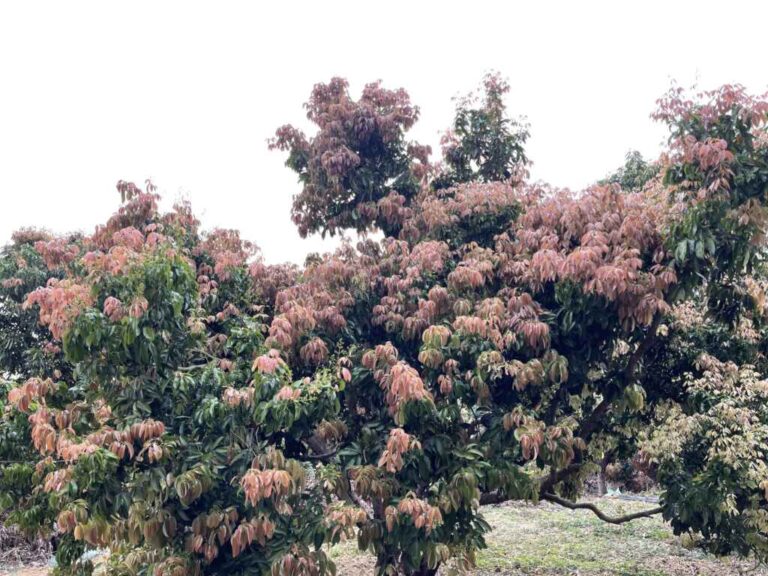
pixel 187 93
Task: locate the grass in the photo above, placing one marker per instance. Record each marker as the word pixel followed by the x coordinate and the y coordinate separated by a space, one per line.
pixel 547 540
pixel 532 540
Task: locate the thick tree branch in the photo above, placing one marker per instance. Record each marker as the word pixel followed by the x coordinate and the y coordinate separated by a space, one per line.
pixel 594 509
pixel 593 422
pixel 324 457
pixel 493 498
pixel 642 348
pixel 548 482
pixel 352 496
pixel 320 449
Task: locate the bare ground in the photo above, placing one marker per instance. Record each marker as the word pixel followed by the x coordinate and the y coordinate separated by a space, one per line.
pixel 15 550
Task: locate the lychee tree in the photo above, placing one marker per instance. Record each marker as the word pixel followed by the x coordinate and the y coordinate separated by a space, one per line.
pixel 509 336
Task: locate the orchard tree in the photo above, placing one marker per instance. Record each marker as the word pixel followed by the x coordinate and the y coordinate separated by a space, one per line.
pixel 483 144
pixel 173 437
pixel 358 157
pixel 635 173
pixel 502 357
pixel 207 413
pixel 25 349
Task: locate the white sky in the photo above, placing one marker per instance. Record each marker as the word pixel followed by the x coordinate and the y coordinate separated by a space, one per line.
pixel 188 92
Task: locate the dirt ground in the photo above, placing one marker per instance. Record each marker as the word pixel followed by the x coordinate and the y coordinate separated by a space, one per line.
pixel 26 572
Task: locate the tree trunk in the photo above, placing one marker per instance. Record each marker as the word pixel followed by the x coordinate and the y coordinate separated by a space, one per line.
pixel 602 487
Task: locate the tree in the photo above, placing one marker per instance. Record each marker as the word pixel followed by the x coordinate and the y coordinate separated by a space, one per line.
pixel 25 349
pixel 358 157
pixel 511 352
pixel 151 443
pixel 223 416
pixel 483 144
pixel 635 173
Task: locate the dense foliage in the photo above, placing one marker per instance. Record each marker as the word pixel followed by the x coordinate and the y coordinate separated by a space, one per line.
pixel 358 156
pixel 483 144
pixel 199 411
pixel 634 174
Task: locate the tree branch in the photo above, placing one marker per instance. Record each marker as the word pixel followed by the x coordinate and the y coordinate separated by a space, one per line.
pixel 354 498
pixel 190 367
pixel 594 509
pixel 586 430
pixel 493 498
pixel 642 348
pixel 320 448
pixel 324 457
pixel 548 482
pixel 591 424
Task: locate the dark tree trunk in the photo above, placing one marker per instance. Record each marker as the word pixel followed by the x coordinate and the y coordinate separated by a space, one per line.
pixel 602 486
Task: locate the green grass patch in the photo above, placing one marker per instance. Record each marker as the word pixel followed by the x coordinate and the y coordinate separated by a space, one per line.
pixel 547 540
